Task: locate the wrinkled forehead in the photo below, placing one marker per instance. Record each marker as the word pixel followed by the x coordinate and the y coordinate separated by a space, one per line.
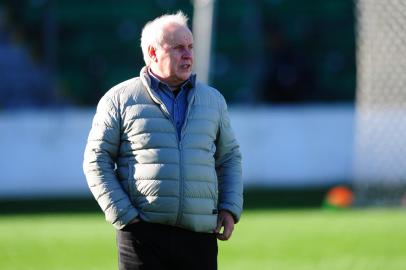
pixel 177 34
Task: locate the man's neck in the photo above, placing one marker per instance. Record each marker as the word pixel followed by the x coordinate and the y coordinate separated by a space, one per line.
pixel 172 87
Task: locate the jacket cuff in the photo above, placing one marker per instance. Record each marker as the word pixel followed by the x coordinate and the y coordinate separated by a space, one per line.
pixel 122 221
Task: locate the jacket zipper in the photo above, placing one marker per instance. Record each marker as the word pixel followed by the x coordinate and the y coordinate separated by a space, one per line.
pixel 179 215
pixel 179 139
pixel 181 182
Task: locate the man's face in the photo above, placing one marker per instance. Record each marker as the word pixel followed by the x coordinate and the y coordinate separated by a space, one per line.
pixel 174 59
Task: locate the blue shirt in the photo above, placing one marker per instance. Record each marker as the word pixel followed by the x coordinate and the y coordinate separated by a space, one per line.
pixel 175 104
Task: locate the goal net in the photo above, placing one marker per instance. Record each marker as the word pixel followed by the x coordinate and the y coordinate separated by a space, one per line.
pixel 380 140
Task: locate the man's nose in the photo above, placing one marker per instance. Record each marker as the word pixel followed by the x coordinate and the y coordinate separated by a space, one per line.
pixel 187 53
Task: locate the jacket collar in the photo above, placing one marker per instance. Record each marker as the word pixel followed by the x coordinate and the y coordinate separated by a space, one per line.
pixel 147 82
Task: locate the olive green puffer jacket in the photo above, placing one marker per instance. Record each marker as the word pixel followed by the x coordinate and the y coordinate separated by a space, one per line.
pixel 136 166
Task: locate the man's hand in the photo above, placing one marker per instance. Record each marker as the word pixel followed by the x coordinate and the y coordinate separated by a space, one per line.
pixel 225 220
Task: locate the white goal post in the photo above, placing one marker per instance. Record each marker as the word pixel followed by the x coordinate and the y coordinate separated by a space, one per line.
pixel 380 139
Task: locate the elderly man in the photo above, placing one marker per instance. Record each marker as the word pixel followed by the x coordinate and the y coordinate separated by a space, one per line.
pixel 161 158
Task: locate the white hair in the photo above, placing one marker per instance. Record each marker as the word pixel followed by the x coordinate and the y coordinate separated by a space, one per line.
pixel 153 34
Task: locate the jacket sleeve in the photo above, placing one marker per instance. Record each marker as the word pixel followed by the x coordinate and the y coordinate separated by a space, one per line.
pixel 228 167
pixel 99 165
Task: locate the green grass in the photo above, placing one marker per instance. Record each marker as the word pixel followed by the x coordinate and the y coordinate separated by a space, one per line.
pixel 264 239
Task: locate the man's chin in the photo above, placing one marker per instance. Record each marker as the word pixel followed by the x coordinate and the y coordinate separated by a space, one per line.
pixel 184 76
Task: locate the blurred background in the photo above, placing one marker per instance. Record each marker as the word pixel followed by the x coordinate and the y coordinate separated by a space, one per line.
pixel 317 97
pixel 287 68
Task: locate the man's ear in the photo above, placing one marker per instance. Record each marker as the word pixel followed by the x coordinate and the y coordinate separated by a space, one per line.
pixel 152 53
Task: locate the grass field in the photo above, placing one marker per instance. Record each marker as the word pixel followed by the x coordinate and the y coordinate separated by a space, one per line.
pixel 264 239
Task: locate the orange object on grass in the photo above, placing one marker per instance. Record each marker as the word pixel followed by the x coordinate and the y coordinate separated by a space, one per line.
pixel 340 196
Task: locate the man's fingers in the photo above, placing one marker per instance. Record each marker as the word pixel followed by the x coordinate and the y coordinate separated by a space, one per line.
pixel 221 236
pixel 228 230
pixel 220 220
pixel 226 220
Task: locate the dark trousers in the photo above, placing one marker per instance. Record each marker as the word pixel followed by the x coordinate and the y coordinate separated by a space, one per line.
pixel 154 246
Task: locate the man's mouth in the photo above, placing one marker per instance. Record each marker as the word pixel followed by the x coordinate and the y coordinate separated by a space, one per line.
pixel 185 66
